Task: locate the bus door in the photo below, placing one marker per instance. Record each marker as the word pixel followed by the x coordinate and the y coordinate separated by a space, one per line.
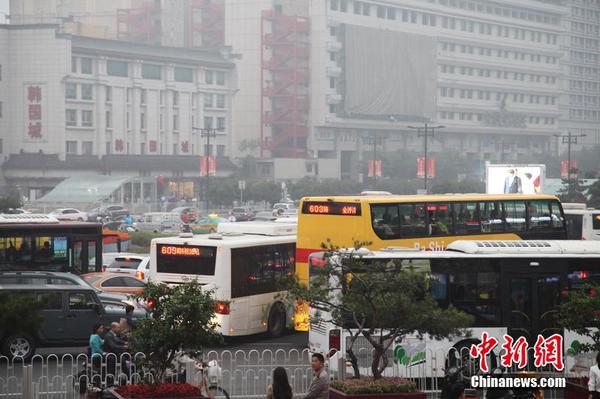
pixel 531 290
pixel 85 254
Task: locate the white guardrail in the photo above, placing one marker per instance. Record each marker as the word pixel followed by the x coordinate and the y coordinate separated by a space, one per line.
pixel 245 374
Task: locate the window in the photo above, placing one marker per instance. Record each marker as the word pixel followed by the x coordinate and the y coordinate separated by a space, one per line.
pixel 220 100
pixel 473 291
pixel 150 71
pixel 143 93
pixel 175 99
pixel 491 217
pixel 220 150
pixel 87 147
pixel 50 300
pixel 86 91
pixel 71 91
pixel 466 216
pixel 392 221
pixel 117 68
pixel 81 301
pixel 220 123
pixel 440 219
pixel 220 78
pixel 184 74
pixel 108 120
pixel 108 94
pixel 73 64
pixel 71 117
pixel 208 100
pixel 143 121
pixel 209 77
pixel 87 118
pixel 71 147
pixel 208 122
pixel 86 66
pixel 175 122
pixel 515 217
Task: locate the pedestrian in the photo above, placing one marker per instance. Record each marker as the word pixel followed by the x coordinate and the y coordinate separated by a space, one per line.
pixel 594 381
pixel 112 342
pixel 319 387
pixel 457 391
pixel 97 344
pixel 281 388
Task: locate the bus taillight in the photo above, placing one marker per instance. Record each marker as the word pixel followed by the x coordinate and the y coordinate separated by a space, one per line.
pixel 335 341
pixel 222 308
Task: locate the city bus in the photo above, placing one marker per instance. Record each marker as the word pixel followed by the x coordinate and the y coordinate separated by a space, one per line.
pixel 241 263
pixel 509 287
pixel 582 223
pixel 31 242
pixel 423 222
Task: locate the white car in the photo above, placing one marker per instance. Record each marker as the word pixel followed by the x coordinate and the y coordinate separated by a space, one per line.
pixel 137 265
pixel 70 214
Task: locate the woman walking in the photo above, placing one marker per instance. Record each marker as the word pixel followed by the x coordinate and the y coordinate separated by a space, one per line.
pixel 281 388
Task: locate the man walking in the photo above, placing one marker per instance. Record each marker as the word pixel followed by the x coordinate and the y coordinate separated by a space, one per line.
pixel 319 387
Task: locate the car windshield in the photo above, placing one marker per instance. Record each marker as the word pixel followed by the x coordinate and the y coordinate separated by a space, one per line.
pixel 125 263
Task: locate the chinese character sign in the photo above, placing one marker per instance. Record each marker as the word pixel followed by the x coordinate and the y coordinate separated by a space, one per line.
pixel 211 164
pixel 34 111
pixel 546 351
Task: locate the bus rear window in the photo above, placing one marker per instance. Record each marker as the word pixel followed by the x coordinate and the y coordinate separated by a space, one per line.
pixel 596 221
pixel 184 259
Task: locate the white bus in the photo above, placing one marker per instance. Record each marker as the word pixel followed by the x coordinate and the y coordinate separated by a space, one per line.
pixel 510 287
pixel 582 223
pixel 241 262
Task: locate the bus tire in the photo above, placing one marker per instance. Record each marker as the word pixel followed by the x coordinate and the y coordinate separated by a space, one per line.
pixel 276 321
pixel 19 345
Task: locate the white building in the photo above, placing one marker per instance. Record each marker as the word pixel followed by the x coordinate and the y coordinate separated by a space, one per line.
pixel 135 109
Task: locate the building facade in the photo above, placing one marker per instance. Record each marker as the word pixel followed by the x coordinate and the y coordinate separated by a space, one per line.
pixel 75 97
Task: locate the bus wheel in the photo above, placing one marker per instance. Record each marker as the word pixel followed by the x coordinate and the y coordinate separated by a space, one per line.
pixel 276 322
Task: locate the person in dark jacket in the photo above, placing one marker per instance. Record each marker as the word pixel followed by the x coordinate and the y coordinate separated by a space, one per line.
pixel 112 342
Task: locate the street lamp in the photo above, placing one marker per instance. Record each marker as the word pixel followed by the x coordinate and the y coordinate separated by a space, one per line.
pixel 425 131
pixel 207 132
pixel 569 139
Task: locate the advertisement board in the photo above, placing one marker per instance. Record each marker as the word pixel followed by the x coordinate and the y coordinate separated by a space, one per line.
pixel 512 179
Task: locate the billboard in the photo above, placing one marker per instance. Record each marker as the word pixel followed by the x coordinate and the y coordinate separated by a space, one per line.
pixel 512 179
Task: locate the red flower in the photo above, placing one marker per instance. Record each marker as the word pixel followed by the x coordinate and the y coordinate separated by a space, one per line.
pixel 158 391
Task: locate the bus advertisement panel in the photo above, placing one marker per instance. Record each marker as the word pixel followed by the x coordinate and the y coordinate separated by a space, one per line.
pixel 515 179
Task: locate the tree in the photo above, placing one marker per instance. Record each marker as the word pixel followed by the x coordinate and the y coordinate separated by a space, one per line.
pixel 384 303
pixel 10 200
pixel 594 195
pixel 572 189
pixel 581 313
pixel 182 320
pixel 20 313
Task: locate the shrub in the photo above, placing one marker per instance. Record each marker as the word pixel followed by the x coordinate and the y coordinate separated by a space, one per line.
pixel 370 386
pixel 144 391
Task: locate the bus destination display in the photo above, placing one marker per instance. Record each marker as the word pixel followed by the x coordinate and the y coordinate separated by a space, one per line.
pixel 331 208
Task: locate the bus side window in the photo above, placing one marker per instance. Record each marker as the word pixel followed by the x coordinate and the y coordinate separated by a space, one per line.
pixel 413 220
pixel 540 215
pixel 386 221
pixel 558 220
pixel 515 215
pixel 466 218
pixel 492 220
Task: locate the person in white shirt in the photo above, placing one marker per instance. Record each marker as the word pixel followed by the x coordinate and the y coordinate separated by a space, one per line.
pixel 594 382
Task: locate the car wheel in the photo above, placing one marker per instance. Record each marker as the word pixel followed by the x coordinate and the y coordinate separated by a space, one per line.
pixel 276 322
pixel 20 345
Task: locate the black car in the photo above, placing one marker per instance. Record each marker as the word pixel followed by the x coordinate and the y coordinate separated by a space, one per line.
pixel 113 212
pixel 242 214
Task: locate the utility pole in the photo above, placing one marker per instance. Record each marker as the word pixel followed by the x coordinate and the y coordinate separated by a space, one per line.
pixel 207 132
pixel 374 140
pixel 427 131
pixel 569 139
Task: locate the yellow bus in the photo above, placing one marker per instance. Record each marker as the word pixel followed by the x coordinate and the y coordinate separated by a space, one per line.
pixel 424 222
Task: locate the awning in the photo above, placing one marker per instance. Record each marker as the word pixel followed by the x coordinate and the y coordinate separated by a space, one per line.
pixel 88 189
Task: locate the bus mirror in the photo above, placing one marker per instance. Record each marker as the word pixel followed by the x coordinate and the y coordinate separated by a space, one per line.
pixel 534 264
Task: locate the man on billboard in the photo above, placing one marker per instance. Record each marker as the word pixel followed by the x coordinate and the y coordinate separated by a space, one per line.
pixel 512 183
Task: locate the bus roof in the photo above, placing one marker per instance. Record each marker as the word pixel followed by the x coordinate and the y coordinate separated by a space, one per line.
pixel 280 228
pixel 232 240
pixel 427 198
pixel 27 218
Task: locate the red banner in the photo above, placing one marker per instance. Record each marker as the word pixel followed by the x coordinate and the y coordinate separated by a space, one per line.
pixel 375 168
pixel 212 166
pixel 564 169
pixel 34 97
pixel 421 167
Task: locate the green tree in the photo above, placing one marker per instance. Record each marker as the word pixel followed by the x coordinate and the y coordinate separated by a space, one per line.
pixel 182 321
pixel 594 195
pixel 384 303
pixel 573 189
pixel 581 313
pixel 10 199
pixel 19 314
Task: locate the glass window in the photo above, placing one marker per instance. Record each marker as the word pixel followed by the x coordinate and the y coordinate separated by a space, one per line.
pixel 220 123
pixel 114 282
pixel 133 282
pixel 50 300
pixel 440 219
pixel 125 263
pixel 71 91
pixel 209 77
pixel 515 217
pixel 87 118
pixel 87 92
pixel 73 64
pixel 16 253
pixel 467 219
pixel 117 68
pixel 86 66
pixel 71 117
pixel 150 71
pixel 220 78
pixel 491 217
pixel 220 100
pixel 81 301
pixel 208 100
pixel 184 74
pixel 477 294
pixel 385 219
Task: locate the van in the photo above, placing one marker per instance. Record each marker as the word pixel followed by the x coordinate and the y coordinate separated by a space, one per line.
pixel 157 222
pixel 68 314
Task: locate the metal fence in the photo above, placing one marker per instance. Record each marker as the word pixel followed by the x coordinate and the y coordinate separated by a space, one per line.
pixel 245 374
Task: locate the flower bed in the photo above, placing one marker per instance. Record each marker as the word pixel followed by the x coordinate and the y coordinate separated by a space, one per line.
pixel 160 391
pixel 390 388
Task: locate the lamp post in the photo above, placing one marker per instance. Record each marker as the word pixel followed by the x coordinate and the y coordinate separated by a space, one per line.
pixel 425 131
pixel 206 132
pixel 569 139
pixel 374 140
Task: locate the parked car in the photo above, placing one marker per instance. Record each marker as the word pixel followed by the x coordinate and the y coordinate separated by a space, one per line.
pixel 207 224
pixel 57 278
pixel 242 214
pixel 157 222
pixel 135 265
pixel 115 283
pixel 186 214
pixel 285 206
pixel 111 211
pixel 16 211
pixel 67 314
pixel 71 214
